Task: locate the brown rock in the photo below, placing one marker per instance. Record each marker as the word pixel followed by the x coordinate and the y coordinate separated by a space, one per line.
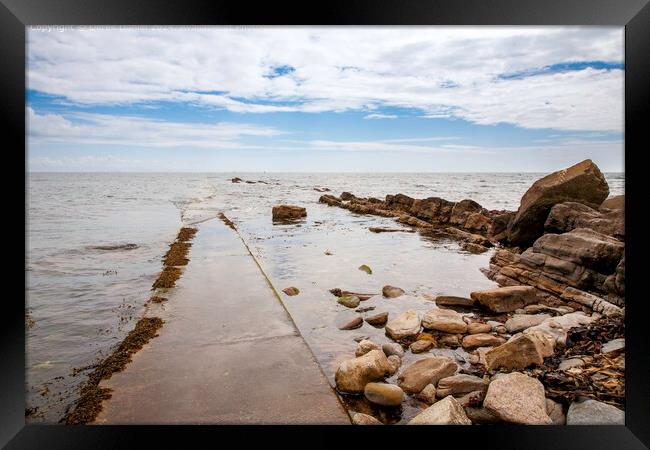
pixel 364 347
pixel 445 320
pixel 520 322
pixel 582 183
pixel 352 375
pixel 403 326
pixel 615 202
pixel 473 248
pixel 291 290
pixel 428 394
pixel 288 212
pixel 460 384
pixel 476 328
pixel 364 419
pixel 447 300
pixel 444 412
pixel 392 291
pixel 521 351
pixel 421 346
pixel 565 217
pixel 383 394
pixel 433 209
pixel 482 340
pixel 462 210
pixel 481 415
pixel 517 398
pixel 450 340
pixel 555 412
pixel 505 299
pixel 426 371
pixel 478 222
pixel 378 320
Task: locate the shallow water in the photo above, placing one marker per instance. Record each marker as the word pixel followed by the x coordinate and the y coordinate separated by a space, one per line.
pixel 94 244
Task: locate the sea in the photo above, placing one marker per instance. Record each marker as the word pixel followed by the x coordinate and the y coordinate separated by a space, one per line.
pixel 95 243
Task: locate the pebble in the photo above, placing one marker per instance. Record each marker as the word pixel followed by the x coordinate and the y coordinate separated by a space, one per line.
pixel 384 394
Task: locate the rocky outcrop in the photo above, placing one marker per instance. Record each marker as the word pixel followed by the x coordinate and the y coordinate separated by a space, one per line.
pixel 582 183
pixel 283 213
pixel 353 375
pixel 568 216
pixel 517 398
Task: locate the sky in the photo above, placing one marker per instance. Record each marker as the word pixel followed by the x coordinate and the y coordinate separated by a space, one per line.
pixel 324 99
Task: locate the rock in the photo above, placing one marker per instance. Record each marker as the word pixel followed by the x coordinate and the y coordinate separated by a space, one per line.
pixel 450 340
pixel 426 371
pixel 520 322
pixel 476 328
pixel 349 322
pixel 500 222
pixel 482 340
pixel 393 348
pixel 521 351
pixel 236 180
pixel 363 309
pixel 517 398
pixel 582 183
pixel 339 293
pixel 469 237
pixel 462 210
pixel 395 363
pixel 346 196
pixel 350 301
pixel 378 320
pixel 494 324
pixel 473 248
pixel 615 202
pixel 557 327
pixel 565 217
pixel 364 347
pixel 433 209
pixel 592 412
pixel 389 230
pixel 291 291
pixel 447 300
pixel 403 326
pixel 421 346
pixel 392 292
pixel 444 412
pixel 288 212
pixel 428 394
pixel 474 398
pixel 445 320
pixel 460 384
pixel 505 299
pixel 383 394
pixel 365 269
pixel 583 247
pixel 330 200
pixel 478 222
pixel 614 345
pixel 352 375
pixel 592 301
pixel 364 419
pixel 570 363
pixel 481 415
pixel 555 412
pixel 399 201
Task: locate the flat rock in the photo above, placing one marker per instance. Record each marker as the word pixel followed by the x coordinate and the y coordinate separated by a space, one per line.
pixel 505 299
pixel 349 301
pixel 426 371
pixel 352 375
pixel 404 325
pixel 571 363
pixel 517 398
pixel 460 384
pixel 378 319
pixel 288 212
pixel 520 322
pixel 477 327
pixel 349 322
pixel 384 394
pixel 444 412
pixel 392 291
pixel 364 419
pixel 521 351
pixel 392 348
pixel 592 412
pixel 558 327
pixel 421 346
pixel 482 340
pixel 449 300
pixel 445 320
pixel 614 345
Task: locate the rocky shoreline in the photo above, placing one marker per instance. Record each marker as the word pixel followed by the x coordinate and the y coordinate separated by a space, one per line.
pixel 545 347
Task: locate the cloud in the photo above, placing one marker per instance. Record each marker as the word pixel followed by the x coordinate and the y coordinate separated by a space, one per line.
pixel 443 72
pixel 380 116
pixel 88 128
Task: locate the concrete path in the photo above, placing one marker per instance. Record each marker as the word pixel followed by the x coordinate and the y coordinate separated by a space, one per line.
pixel 227 354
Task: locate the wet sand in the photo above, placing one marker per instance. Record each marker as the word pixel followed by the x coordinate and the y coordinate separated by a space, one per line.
pixel 228 353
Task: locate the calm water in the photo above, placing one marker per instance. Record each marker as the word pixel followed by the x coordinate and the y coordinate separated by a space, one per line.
pixel 83 299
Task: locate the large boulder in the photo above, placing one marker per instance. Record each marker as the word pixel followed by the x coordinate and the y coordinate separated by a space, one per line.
pixel 568 216
pixel 505 299
pixel 517 398
pixel 445 412
pixel 353 374
pixel 615 202
pixel 592 412
pixel 283 213
pixel 404 325
pixel 582 183
pixel 445 320
pixel 521 351
pixel 426 371
pixel 462 210
pixel 583 247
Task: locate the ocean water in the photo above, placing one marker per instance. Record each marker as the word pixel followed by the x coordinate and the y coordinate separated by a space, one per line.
pixel 95 243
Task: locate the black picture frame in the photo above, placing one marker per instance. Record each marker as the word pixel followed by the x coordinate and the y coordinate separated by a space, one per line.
pixel 15 15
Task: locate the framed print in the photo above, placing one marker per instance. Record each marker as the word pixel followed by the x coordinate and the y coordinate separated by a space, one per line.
pixel 260 220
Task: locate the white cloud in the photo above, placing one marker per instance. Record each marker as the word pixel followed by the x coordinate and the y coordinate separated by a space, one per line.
pixel 441 71
pixel 380 116
pixel 87 128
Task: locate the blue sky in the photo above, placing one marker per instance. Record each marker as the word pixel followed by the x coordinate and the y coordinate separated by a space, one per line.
pixel 427 99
